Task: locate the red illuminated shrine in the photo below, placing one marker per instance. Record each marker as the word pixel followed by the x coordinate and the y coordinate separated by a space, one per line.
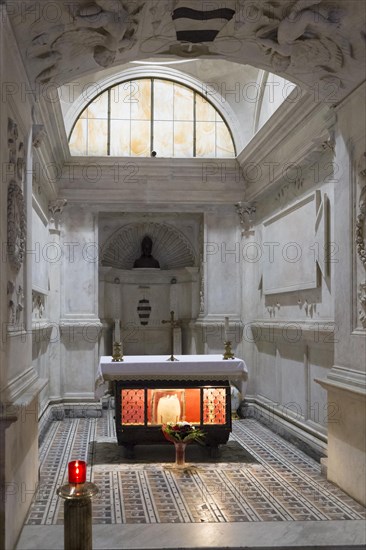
pixel 142 408
pixel 151 391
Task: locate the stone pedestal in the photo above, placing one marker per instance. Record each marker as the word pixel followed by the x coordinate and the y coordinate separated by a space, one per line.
pixel 78 515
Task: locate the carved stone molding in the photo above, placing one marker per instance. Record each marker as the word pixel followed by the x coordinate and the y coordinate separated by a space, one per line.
pixel 362 301
pixel 360 238
pixel 170 247
pixel 38 135
pixel 38 305
pixel 17 227
pixel 16 222
pixel 12 141
pixel 15 306
pixel 362 165
pixel 289 191
pixel 360 227
pixel 246 212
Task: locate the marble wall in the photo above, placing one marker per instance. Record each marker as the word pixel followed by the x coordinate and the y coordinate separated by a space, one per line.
pixel 346 382
pixel 306 344
pixel 19 382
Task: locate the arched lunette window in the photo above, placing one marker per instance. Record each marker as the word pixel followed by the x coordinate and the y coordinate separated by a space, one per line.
pixel 139 116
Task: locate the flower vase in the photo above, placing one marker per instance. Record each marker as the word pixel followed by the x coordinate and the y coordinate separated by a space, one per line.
pixel 180 450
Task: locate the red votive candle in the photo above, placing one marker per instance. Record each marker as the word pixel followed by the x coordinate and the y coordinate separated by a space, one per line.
pixel 77 471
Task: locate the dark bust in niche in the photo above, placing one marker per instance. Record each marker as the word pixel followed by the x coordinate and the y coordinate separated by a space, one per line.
pixel 146 259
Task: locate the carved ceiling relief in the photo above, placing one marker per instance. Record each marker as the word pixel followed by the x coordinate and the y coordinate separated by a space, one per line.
pixel 306 41
pixel 102 29
pixel 16 228
pixel 360 233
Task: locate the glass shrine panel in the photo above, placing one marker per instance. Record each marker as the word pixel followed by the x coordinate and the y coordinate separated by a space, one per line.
pixel 133 407
pixel 214 406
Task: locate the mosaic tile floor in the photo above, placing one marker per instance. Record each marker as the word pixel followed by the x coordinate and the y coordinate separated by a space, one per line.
pixel 279 483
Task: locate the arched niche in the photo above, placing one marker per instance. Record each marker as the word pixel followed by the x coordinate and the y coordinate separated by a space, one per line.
pixel 144 297
pixel 170 246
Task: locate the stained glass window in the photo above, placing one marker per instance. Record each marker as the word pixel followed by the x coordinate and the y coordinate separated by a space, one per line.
pixel 139 116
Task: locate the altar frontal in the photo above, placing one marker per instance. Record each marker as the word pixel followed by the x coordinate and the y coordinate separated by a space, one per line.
pixel 152 390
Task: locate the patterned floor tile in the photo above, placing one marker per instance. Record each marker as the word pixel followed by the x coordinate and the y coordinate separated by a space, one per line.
pixel 282 484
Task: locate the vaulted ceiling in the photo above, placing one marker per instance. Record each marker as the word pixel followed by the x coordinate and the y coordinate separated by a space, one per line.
pixel 318 44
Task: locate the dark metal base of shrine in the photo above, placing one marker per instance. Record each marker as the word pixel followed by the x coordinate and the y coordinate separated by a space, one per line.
pixel 147 434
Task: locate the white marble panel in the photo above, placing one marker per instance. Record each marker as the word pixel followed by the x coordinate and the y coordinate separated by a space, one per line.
pixel 266 374
pixel 293 372
pixel 79 254
pixel 289 262
pixel 79 360
pixel 222 257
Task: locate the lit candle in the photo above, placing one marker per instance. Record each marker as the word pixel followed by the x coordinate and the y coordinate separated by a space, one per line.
pixel 117 331
pixel 77 471
pixel 226 329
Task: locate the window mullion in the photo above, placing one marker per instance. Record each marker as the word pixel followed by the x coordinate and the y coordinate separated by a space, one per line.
pixel 194 123
pixel 109 124
pixel 152 117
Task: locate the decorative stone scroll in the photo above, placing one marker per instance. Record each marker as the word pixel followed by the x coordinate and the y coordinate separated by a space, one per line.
pixel 38 135
pixel 360 227
pixel 16 228
pixel 362 302
pixel 16 209
pixel 360 238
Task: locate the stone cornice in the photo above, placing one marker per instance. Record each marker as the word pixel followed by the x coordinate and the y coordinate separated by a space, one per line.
pixel 344 379
pixel 109 181
pixel 22 389
pixel 299 128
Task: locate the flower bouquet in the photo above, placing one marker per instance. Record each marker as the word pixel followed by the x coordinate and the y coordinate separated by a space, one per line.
pixel 181 433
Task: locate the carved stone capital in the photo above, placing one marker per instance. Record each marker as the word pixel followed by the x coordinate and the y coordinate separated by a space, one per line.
pixel 246 212
pixel 56 208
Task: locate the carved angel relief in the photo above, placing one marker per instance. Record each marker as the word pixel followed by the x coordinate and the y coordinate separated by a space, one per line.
pixel 307 38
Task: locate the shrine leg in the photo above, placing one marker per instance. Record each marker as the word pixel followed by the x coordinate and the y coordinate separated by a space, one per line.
pixel 214 450
pixel 130 450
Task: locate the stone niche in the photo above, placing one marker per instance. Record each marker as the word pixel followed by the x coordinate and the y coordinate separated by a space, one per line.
pixel 142 298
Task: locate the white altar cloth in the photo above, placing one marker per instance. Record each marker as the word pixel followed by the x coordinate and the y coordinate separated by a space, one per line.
pixel 188 367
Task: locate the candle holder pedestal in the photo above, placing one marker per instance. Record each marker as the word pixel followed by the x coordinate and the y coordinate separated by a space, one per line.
pixel 78 514
pixel 228 354
pixel 117 352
